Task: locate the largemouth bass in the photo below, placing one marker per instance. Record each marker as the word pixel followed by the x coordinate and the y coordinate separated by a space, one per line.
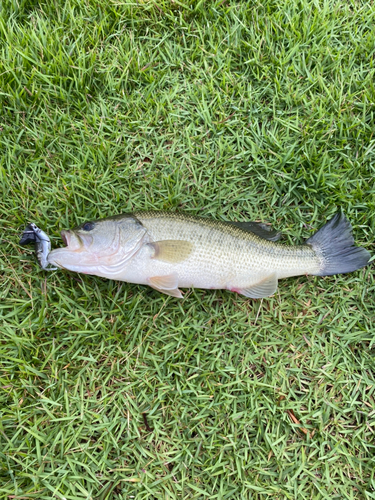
pixel 168 250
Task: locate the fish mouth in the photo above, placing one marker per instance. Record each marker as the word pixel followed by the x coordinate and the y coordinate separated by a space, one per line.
pixel 74 255
pixel 65 236
pixel 75 242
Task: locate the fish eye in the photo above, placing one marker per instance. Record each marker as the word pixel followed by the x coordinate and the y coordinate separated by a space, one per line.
pixel 88 226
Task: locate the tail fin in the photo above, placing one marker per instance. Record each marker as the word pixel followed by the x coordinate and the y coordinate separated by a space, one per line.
pixel 334 244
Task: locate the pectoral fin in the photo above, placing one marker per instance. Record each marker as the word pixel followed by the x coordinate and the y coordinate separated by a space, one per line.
pixel 172 251
pixel 166 284
pixel 264 288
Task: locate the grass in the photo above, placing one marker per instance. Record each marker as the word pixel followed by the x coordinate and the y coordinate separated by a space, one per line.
pixel 234 110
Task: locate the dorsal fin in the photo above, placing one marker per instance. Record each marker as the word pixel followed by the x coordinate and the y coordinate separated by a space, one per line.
pixel 260 229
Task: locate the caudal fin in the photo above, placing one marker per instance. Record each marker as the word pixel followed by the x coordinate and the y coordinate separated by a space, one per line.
pixel 334 244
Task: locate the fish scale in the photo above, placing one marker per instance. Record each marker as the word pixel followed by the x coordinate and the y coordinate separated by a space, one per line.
pixel 228 249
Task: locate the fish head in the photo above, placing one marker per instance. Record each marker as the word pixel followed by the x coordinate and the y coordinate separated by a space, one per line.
pixel 94 244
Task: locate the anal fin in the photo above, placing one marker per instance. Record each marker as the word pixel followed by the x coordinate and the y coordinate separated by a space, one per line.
pixel 264 288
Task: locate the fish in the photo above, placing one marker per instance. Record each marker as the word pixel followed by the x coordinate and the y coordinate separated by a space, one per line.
pixel 170 250
pixel 33 234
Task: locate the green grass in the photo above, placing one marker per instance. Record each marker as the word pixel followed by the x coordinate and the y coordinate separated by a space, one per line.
pixel 260 110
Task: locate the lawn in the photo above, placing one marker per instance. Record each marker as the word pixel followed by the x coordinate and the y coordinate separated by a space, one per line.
pixel 261 110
